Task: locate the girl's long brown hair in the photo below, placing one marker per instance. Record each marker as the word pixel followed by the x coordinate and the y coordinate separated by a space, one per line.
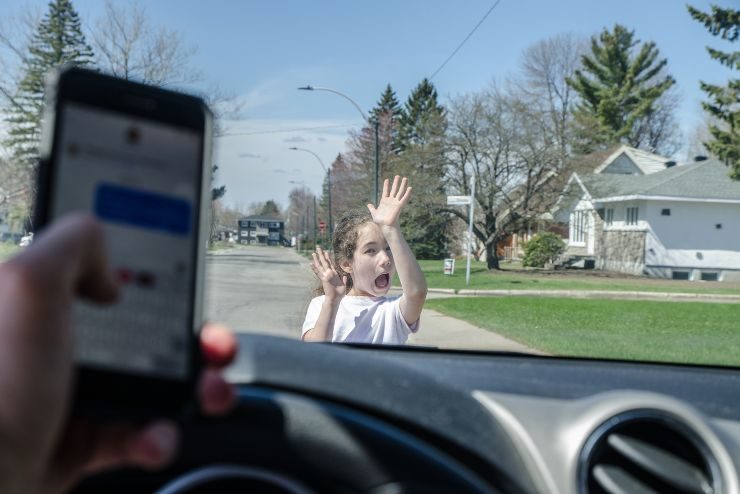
pixel 344 242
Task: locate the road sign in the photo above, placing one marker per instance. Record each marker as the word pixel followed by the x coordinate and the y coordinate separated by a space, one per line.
pixel 322 226
pixel 458 200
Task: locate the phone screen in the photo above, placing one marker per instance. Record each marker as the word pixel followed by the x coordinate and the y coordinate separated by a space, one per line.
pixel 141 179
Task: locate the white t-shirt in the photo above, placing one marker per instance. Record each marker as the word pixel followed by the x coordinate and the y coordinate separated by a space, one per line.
pixel 365 320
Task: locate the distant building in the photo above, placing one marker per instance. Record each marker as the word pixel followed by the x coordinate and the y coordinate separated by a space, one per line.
pixel 261 230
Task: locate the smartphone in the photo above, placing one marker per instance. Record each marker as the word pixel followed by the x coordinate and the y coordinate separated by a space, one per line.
pixel 138 158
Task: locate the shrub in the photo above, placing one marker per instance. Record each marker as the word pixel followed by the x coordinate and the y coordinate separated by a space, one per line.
pixel 542 249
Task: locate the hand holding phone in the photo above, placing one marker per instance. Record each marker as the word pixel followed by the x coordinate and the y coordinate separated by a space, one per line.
pixel 136 157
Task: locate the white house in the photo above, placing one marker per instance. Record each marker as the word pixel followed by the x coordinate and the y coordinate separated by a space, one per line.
pixel 681 222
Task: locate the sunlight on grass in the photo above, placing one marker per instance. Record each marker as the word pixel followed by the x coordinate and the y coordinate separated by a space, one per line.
pixel 681 332
pixel 513 277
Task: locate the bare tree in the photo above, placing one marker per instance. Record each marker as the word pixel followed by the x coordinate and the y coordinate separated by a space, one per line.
pixel 498 138
pixel 545 68
pixel 127 46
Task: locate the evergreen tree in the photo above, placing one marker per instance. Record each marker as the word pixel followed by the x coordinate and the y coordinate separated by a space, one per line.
pixel 58 40
pixel 619 91
pixel 423 124
pixel 389 113
pixel 724 102
pixel 422 115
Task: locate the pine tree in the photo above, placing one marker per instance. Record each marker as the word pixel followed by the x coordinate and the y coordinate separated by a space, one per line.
pixel 724 102
pixel 422 115
pixel 389 113
pixel 58 40
pixel 619 91
pixel 423 124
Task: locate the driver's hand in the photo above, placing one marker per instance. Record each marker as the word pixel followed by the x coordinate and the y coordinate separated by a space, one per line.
pixel 41 450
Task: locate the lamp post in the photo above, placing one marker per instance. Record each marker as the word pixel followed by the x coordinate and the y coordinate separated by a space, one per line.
pixel 328 180
pixel 375 124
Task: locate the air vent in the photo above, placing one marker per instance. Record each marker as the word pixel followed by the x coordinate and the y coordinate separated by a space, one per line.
pixel 646 451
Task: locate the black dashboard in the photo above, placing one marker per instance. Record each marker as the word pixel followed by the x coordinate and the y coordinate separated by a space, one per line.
pixel 332 418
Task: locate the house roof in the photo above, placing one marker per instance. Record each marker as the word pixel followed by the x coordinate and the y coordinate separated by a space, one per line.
pixel 705 180
pixel 647 162
pixel 257 217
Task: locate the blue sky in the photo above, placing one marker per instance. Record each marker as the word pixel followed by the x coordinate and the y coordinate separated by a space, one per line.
pixel 263 50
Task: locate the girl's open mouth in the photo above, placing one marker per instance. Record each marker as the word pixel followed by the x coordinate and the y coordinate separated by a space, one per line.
pixel 383 281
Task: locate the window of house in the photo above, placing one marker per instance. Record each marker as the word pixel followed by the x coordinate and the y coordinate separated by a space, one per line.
pixel 680 275
pixel 665 212
pixel 609 216
pixel 632 216
pixel 578 227
pixel 709 276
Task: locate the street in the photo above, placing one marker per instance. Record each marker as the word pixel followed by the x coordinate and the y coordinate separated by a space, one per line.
pixel 267 290
pixel 258 289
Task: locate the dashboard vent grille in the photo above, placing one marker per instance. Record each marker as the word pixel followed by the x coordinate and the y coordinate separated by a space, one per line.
pixel 646 452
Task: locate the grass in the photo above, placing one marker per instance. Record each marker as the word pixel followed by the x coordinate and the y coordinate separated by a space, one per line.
pixel 513 277
pixel 7 249
pixel 681 332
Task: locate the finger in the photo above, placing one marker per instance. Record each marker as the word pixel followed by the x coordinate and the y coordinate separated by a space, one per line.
pixel 394 189
pixel 70 254
pixel 150 447
pixel 328 259
pixel 218 345
pixel 386 187
pixel 321 259
pixel 406 197
pixel 215 395
pixel 372 210
pixel 402 187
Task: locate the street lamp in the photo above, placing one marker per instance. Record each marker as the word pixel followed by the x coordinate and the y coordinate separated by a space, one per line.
pixel 328 179
pixel 375 123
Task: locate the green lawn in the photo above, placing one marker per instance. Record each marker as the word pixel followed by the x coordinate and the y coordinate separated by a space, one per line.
pixel 7 249
pixel 514 277
pixel 685 332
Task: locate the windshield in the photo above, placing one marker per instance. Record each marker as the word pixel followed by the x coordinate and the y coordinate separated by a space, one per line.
pixel 574 165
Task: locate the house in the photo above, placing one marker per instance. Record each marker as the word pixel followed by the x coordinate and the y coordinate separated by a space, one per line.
pixel 261 230
pixel 667 221
pixel 618 159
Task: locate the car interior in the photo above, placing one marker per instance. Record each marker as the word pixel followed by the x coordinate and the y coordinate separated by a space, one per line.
pixel 352 419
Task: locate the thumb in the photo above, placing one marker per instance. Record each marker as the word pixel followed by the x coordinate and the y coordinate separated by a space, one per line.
pixel 372 209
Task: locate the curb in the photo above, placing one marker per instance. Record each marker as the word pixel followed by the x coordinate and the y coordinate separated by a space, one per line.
pixel 606 294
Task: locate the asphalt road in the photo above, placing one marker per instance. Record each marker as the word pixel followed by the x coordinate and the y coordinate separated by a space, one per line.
pixel 258 289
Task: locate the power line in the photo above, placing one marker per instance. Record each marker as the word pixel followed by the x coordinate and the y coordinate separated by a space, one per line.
pixel 279 131
pixel 465 40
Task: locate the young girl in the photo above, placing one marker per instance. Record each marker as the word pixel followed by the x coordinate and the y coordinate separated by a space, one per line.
pixel 368 249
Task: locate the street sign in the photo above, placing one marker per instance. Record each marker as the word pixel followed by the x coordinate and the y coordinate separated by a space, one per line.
pixel 458 200
pixel 322 226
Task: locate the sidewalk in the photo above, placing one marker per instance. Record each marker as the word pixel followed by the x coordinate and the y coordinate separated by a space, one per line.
pixel 444 332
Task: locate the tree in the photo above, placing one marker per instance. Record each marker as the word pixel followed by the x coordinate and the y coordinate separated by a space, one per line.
pixel 128 47
pixel 724 101
pixel 270 209
pixel 620 94
pixel 546 67
pixel 216 194
pixel 389 113
pixel 58 40
pixel 498 138
pixel 422 158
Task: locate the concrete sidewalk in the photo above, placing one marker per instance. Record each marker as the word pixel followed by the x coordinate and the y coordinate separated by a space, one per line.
pixel 441 331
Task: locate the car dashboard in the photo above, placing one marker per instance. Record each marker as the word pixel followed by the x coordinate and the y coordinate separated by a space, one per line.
pixel 337 418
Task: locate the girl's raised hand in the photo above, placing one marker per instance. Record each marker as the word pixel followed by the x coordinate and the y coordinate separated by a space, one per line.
pixel 393 200
pixel 323 268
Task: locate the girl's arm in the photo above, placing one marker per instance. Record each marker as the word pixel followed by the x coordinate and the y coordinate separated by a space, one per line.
pixel 386 215
pixel 334 290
